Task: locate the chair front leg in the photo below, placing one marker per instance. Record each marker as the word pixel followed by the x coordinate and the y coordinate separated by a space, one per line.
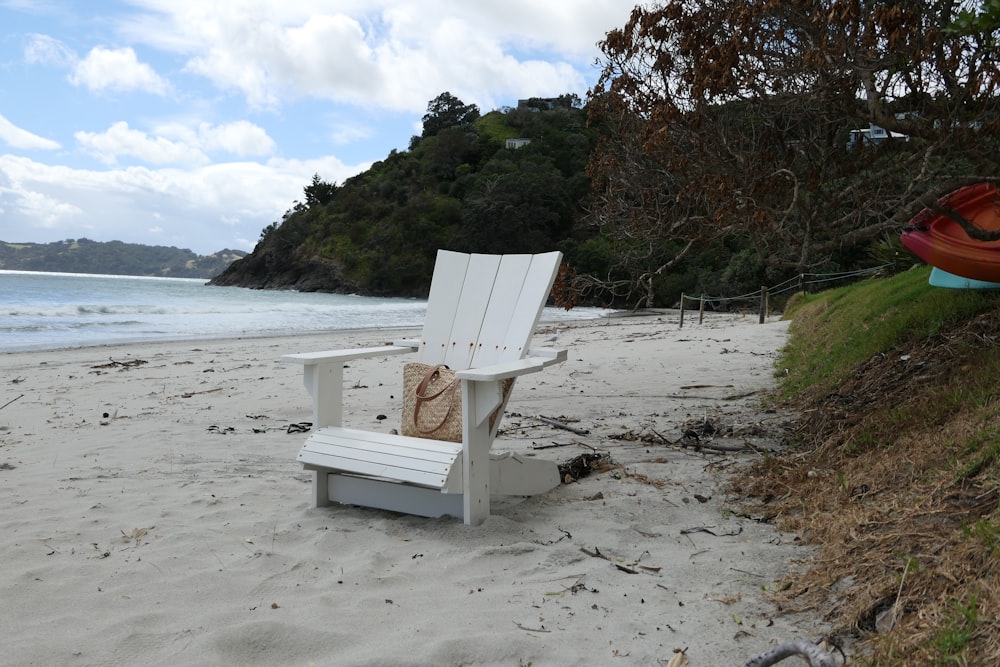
pixel 325 384
pixel 476 443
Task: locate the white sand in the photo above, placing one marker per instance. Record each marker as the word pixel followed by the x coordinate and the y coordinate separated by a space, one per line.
pixel 175 530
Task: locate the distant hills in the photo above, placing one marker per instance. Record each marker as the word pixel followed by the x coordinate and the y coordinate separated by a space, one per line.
pixel 114 258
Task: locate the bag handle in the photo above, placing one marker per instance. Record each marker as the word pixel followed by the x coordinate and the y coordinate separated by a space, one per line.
pixel 422 397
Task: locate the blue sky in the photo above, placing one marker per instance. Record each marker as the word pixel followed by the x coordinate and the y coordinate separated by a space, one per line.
pixel 196 124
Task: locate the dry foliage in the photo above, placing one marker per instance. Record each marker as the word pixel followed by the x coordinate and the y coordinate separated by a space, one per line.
pixel 895 477
pixel 731 119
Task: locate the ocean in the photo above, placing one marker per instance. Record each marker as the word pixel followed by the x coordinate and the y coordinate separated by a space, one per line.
pixel 45 311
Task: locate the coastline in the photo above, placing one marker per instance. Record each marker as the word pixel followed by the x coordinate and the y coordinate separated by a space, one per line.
pixel 154 511
pixel 322 338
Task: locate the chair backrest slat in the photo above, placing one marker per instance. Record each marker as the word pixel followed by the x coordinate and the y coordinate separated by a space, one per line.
pixel 480 281
pixel 442 304
pixel 534 292
pixel 494 340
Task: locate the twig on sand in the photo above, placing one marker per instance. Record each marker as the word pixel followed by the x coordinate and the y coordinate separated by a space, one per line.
pixel 11 401
pixel 553 445
pixel 661 437
pixel 131 363
pixel 189 394
pixel 596 553
pixel 707 529
pixel 736 397
pixel 527 629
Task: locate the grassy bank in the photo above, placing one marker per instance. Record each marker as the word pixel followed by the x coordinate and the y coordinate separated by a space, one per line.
pixel 894 468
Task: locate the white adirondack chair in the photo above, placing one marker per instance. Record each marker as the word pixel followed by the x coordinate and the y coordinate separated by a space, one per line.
pixel 481 314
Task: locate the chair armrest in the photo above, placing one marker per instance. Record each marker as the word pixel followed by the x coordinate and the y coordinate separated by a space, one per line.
pixel 323 376
pixel 331 356
pixel 510 369
pixel 552 355
pixel 480 402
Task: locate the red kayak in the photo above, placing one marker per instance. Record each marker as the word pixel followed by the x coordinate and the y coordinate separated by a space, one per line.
pixel 942 243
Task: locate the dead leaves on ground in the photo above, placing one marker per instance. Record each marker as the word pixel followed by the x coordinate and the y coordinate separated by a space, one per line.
pixel 134 535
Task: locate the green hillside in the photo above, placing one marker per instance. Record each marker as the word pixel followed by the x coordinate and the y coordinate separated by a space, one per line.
pixel 458 187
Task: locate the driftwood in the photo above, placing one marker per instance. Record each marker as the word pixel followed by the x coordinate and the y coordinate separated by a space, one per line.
pixel 596 553
pixel 691 440
pixel 697 444
pixel 189 394
pixel 132 363
pixel 554 445
pixel 816 656
pixel 558 424
pixel 581 466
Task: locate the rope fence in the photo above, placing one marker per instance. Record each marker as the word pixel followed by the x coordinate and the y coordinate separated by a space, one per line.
pixel 800 283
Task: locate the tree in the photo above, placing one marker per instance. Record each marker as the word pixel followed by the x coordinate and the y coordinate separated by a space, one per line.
pixel 446 111
pixel 733 117
pixel 985 18
pixel 319 192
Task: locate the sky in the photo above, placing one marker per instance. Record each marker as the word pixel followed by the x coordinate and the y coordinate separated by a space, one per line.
pixel 195 123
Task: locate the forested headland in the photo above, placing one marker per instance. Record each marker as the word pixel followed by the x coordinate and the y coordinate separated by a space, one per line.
pixel 460 186
pixel 114 258
pixel 725 146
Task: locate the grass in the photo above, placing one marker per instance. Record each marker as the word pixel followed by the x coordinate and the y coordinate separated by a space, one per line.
pixel 952 639
pixel 896 450
pixel 988 533
pixel 835 330
pixel 495 127
pixel 984 447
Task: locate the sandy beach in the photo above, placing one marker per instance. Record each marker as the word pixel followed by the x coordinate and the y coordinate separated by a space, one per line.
pixel 153 512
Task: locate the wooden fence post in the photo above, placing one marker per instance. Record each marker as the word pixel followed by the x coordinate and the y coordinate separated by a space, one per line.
pixel 763 304
pixel 681 324
pixel 701 310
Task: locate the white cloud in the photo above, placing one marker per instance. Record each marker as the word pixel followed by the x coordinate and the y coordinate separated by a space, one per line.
pixel 205 208
pixel 116 70
pixel 570 27
pixel 265 60
pixel 383 53
pixel 120 140
pixel 42 49
pixel 46 211
pixel 176 143
pixel 485 72
pixel 16 137
pixel 241 138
